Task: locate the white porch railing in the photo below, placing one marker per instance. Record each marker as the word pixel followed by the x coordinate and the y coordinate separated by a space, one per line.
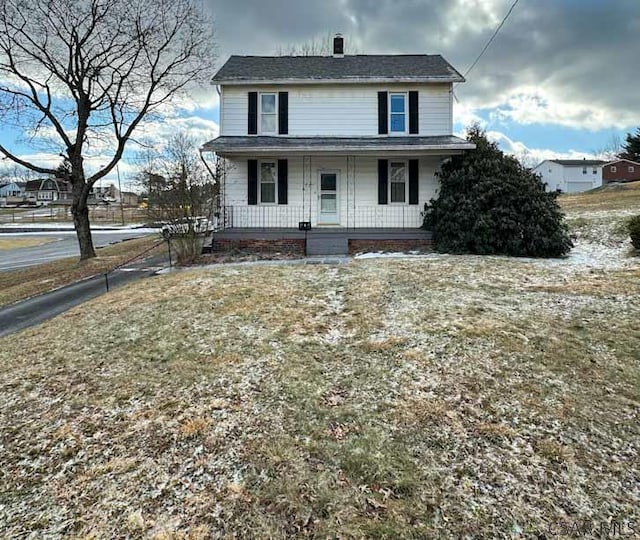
pixel 263 217
pixel 386 216
pixel 288 216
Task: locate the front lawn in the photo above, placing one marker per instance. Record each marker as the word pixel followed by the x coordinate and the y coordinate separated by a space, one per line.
pixel 435 397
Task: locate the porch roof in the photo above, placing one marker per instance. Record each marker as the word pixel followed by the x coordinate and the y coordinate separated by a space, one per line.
pixel 443 144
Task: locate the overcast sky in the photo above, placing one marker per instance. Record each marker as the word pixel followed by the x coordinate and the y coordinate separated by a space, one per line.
pixel 560 79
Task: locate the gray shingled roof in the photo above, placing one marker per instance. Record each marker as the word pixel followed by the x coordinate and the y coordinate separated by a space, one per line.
pixel 362 68
pixel 265 144
pixel 578 162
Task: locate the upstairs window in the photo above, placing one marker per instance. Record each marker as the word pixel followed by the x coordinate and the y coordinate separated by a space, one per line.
pixel 614 168
pixel 584 170
pixel 268 182
pixel 398 183
pixel 398 113
pixel 268 114
pixel 595 171
pixel 631 168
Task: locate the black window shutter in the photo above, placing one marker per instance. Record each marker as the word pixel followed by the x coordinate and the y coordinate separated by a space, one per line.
pixel 383 180
pixel 283 113
pixel 414 175
pixel 413 112
pixel 252 127
pixel 383 113
pixel 252 181
pixel 283 181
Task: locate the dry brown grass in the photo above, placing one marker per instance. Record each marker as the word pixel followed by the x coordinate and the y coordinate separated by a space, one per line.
pixel 443 397
pixel 609 197
pixel 26 282
pixel 17 243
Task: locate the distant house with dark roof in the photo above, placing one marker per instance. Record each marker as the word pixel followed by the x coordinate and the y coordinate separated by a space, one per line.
pixel 570 175
pixel 49 190
pixel 343 144
pixel 622 170
pixel 10 189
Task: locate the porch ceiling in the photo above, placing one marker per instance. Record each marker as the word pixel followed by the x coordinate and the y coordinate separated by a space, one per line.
pixel 257 145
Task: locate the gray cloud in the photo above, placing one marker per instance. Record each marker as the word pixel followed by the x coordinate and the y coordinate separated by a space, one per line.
pixel 581 56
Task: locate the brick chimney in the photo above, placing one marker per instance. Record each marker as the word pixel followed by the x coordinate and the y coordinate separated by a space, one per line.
pixel 338 46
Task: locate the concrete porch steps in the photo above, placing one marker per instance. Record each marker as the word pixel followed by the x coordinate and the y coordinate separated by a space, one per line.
pixel 327 244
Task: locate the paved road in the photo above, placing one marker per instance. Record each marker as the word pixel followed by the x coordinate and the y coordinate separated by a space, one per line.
pixel 65 245
pixel 40 308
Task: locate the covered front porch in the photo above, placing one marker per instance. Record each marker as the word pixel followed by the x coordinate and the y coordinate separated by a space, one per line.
pixel 346 192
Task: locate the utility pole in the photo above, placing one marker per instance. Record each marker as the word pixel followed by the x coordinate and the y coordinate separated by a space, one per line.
pixel 120 190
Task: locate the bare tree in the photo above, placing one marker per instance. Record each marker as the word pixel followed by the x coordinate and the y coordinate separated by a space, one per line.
pixel 526 158
pixel 183 194
pixel 610 150
pixel 84 75
pixel 318 46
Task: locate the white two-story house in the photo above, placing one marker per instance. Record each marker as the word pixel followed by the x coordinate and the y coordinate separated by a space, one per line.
pixel 570 175
pixel 346 146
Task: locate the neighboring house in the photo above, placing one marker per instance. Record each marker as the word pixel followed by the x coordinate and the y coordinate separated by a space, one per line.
pixel 623 170
pixel 347 145
pixel 571 175
pixel 49 190
pixel 10 189
pixel 10 193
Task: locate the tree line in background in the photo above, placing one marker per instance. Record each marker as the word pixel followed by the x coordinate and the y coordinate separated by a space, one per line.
pixel 615 148
pixel 631 148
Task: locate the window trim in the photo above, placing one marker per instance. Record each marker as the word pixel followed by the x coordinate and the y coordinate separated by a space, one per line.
pixel 405 162
pixel 631 169
pixel 274 114
pixel 614 168
pixel 275 182
pixel 405 96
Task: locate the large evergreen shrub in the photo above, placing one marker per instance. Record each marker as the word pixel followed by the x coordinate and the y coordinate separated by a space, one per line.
pixel 490 204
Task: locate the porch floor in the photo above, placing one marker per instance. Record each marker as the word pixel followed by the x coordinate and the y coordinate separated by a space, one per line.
pixel 258 233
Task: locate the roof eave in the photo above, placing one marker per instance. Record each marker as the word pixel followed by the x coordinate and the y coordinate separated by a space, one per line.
pixel 332 149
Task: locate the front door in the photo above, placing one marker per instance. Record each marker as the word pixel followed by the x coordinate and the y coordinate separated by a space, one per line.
pixel 328 199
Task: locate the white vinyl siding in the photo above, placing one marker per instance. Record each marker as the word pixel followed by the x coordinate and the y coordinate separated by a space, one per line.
pixel 340 110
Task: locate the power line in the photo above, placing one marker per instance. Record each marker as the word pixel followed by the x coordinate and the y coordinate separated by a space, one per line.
pixel 492 38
